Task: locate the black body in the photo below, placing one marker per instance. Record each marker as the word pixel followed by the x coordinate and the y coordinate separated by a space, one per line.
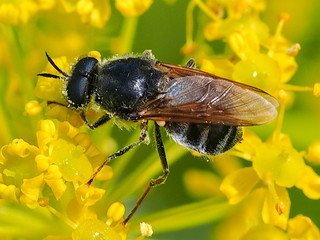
pixel 201 111
pixel 204 138
pixel 123 86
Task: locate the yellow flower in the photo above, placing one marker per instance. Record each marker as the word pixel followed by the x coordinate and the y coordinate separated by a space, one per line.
pixel 19 12
pixel 63 156
pixel 112 229
pixel 236 187
pixel 301 227
pixel 132 8
pixel 313 154
pixel 17 170
pixel 95 13
pixel 278 161
pixel 309 183
pixel 268 62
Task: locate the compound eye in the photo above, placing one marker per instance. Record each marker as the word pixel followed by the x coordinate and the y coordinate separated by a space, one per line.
pixel 78 86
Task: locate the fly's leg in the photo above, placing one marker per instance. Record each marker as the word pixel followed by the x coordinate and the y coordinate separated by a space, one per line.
pixel 102 120
pixel 191 63
pixel 143 138
pixel 56 103
pixel 153 182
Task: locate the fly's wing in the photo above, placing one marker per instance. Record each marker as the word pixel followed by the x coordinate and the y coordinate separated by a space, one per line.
pixel 212 100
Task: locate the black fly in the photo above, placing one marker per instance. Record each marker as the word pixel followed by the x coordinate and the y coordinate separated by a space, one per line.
pixel 200 111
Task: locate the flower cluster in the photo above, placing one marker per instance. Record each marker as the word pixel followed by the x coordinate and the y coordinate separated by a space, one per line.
pixel 256 57
pixel 95 13
pixel 60 165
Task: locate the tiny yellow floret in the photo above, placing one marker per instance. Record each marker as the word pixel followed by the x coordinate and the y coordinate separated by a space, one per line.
pixel 31 189
pixel 95 54
pixel 89 195
pixel 84 7
pixel 189 48
pixel 313 154
pixel 106 173
pixel 116 211
pixel 302 227
pixel 131 8
pixel 316 89
pixel 54 180
pixel 237 185
pixel 33 108
pixel 95 229
pixel 285 17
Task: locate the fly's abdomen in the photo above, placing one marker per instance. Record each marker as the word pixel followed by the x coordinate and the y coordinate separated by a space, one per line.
pixel 204 138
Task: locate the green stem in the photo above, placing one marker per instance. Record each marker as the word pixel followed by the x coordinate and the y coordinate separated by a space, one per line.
pixel 127 34
pixel 185 216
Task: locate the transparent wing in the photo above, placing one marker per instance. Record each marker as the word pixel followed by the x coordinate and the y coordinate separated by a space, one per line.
pixel 213 100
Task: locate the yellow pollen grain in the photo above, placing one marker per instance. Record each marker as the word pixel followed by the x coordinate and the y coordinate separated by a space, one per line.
pixel 146 229
pixel 294 49
pixel 43 202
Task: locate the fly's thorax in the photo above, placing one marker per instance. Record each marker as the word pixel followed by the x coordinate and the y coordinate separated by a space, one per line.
pixel 123 85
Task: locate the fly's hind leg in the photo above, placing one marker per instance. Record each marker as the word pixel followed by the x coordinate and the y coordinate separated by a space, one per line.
pixel 143 138
pixel 154 182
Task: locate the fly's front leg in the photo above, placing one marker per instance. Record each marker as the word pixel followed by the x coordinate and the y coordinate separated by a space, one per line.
pixel 102 120
pixel 157 181
pixel 143 138
pixel 56 103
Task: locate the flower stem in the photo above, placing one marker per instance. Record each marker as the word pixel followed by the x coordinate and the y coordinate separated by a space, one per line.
pixel 127 35
pixel 185 216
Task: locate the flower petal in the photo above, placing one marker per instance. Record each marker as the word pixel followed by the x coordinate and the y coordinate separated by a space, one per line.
pixel 309 183
pixel 237 185
pixel 89 195
pixel 130 8
pixel 301 227
pixel 95 229
pixel 279 162
pixel 73 163
pixel 54 180
pixel 31 189
pixel 276 207
pixel 265 232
